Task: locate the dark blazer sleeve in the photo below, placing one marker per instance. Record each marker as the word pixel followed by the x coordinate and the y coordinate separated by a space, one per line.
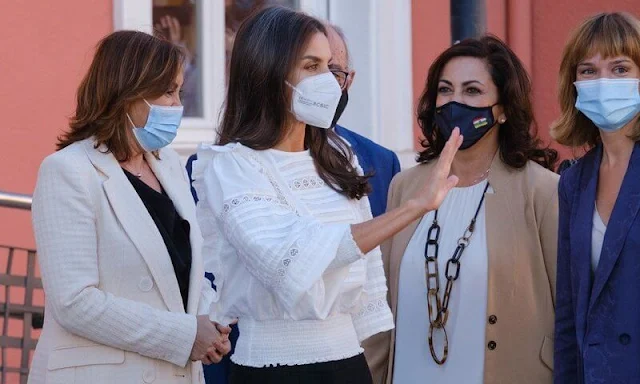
pixel 376 159
pixel 565 345
pixel 189 167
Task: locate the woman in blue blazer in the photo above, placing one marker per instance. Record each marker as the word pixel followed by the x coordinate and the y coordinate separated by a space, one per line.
pixel 598 284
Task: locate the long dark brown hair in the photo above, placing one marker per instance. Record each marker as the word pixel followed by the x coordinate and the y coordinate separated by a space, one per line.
pixel 517 136
pixel 266 50
pixel 127 66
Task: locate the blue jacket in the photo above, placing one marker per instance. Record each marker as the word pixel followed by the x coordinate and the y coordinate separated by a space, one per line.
pixel 598 314
pixel 377 159
pixel 373 158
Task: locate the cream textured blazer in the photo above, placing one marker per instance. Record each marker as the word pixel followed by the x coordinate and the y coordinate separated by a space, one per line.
pixel 113 311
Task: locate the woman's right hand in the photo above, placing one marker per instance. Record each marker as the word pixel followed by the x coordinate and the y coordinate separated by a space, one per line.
pixel 372 233
pixel 440 181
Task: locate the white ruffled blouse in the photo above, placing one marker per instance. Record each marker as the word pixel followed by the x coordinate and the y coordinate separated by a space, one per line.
pixel 279 243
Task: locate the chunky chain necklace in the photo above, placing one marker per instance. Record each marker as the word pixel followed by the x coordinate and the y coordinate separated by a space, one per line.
pixel 439 308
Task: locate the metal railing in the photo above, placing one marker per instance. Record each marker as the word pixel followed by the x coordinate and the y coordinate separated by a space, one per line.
pixel 19 315
pixel 15 200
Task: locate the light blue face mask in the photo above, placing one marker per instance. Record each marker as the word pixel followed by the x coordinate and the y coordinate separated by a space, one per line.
pixel 161 127
pixel 609 103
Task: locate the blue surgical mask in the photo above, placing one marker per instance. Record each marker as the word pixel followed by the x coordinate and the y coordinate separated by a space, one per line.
pixel 161 127
pixel 609 103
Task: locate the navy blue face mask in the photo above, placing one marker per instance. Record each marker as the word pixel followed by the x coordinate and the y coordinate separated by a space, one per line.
pixel 474 122
pixel 342 104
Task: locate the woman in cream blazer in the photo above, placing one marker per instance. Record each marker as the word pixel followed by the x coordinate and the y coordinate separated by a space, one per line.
pixel 500 317
pixel 123 285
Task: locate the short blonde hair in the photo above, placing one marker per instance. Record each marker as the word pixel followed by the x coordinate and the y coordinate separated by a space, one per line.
pixel 609 34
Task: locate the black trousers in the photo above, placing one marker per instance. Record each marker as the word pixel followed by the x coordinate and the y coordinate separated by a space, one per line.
pixel 348 371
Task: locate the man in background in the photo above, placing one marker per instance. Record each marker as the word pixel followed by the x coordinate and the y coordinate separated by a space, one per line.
pixel 374 159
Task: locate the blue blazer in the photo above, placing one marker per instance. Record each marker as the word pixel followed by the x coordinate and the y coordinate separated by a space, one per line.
pixel 597 330
pixel 376 159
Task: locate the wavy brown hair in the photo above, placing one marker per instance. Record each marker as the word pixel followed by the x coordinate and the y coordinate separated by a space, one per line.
pixel 517 136
pixel 127 66
pixel 266 50
pixel 611 35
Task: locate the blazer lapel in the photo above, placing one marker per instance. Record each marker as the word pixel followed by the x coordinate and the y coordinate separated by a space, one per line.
pixel 622 217
pixel 166 175
pixel 397 245
pixel 580 235
pixel 394 249
pixel 138 224
pixel 183 201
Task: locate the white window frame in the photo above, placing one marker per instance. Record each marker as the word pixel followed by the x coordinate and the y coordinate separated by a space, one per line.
pixel 316 8
pixel 380 40
pixel 388 117
pixel 137 15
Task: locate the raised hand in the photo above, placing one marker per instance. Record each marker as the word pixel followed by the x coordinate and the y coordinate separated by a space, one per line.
pixel 440 182
pixel 372 233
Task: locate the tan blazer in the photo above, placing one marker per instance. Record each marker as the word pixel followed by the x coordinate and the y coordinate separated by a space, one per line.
pixel 114 313
pixel 521 224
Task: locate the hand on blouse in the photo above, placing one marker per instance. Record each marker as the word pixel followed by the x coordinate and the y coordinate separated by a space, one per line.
pixel 440 181
pixel 212 341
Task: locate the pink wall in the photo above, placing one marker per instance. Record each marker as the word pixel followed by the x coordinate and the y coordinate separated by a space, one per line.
pixel 431 36
pixel 46 47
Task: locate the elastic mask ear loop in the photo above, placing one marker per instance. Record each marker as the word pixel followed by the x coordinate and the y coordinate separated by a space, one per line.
pixel 131 121
pixel 129 117
pixel 296 90
pixel 495 120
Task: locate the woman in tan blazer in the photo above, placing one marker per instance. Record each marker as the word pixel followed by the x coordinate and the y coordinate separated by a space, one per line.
pixel 116 231
pixel 471 285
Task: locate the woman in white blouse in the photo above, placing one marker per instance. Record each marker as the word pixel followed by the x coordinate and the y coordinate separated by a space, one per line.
pixel 285 217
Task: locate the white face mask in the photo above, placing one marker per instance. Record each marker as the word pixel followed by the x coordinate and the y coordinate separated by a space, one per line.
pixel 315 99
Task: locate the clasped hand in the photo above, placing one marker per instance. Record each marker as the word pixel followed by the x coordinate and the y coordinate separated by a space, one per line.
pixel 212 341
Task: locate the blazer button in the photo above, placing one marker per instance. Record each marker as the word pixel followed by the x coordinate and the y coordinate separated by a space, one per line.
pixel 624 339
pixel 145 284
pixel 492 345
pixel 149 376
pixel 493 319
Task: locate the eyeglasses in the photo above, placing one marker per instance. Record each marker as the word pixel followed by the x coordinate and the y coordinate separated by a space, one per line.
pixel 341 76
